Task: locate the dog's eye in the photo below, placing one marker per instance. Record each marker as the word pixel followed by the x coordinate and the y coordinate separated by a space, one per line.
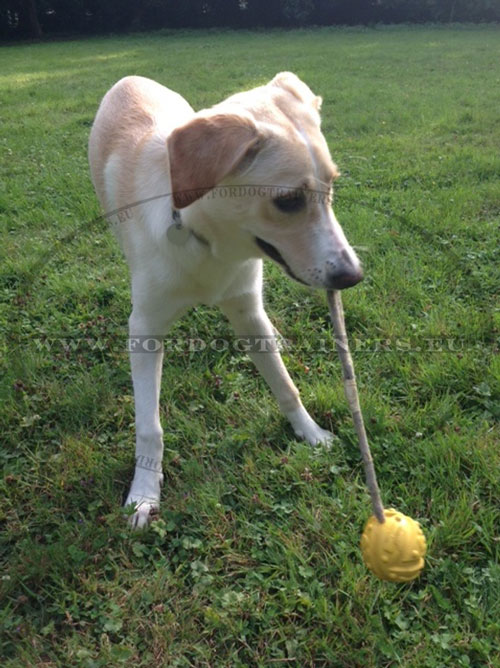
pixel 290 203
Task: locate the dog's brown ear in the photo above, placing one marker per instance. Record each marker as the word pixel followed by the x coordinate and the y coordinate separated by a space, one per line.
pixel 204 151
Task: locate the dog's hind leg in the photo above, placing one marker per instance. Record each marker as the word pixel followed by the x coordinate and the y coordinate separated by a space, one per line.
pixel 247 315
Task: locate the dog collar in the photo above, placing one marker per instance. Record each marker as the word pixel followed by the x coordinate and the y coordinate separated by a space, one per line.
pixel 178 234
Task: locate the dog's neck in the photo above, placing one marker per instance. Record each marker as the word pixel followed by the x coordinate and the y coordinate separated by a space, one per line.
pixel 179 234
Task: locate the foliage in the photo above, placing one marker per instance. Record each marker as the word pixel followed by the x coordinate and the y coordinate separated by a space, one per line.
pixel 94 16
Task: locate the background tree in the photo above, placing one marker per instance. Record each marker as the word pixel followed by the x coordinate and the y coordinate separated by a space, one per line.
pixel 20 19
pixel 29 10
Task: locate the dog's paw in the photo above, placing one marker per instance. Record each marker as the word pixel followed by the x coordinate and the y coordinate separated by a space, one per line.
pixel 315 435
pixel 306 429
pixel 142 510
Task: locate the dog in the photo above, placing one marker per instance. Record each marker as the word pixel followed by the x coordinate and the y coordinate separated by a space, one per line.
pixel 163 169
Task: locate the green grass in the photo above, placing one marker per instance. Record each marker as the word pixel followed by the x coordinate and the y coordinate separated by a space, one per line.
pixel 255 559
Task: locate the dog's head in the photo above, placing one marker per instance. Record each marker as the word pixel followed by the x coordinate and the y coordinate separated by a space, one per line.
pixel 254 175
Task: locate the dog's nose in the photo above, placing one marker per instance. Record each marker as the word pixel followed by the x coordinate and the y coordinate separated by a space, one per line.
pixel 347 274
pixel 344 279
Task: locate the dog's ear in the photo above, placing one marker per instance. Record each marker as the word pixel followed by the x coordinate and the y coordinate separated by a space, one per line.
pixel 290 82
pixel 206 150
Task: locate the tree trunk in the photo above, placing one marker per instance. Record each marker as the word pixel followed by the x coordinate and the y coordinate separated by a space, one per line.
pixel 452 11
pixel 31 18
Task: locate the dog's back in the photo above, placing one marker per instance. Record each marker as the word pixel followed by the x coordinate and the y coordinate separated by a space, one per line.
pixel 131 112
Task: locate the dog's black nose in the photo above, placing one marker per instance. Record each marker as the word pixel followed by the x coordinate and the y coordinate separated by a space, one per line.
pixel 346 273
pixel 344 279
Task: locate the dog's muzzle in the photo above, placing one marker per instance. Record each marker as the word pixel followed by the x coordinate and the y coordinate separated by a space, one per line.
pixel 345 275
pixel 272 252
pixel 344 279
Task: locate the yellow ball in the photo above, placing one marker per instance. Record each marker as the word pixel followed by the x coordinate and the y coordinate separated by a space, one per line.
pixel 393 550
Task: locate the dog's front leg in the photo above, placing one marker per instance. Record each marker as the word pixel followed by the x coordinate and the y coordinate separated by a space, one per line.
pixel 147 329
pixel 248 318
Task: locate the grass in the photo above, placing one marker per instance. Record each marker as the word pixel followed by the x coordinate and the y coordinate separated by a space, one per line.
pixel 255 558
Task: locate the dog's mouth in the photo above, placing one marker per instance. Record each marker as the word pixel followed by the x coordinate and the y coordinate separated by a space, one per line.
pixel 272 252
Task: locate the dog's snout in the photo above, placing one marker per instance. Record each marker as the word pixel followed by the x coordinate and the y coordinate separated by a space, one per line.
pixel 348 258
pixel 344 279
pixel 345 274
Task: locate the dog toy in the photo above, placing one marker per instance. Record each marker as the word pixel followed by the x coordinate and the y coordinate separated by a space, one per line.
pixel 393 545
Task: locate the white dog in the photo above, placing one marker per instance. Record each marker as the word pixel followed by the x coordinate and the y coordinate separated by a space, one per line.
pixel 201 199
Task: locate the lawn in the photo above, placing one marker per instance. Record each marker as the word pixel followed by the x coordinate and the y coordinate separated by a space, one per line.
pixel 255 560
